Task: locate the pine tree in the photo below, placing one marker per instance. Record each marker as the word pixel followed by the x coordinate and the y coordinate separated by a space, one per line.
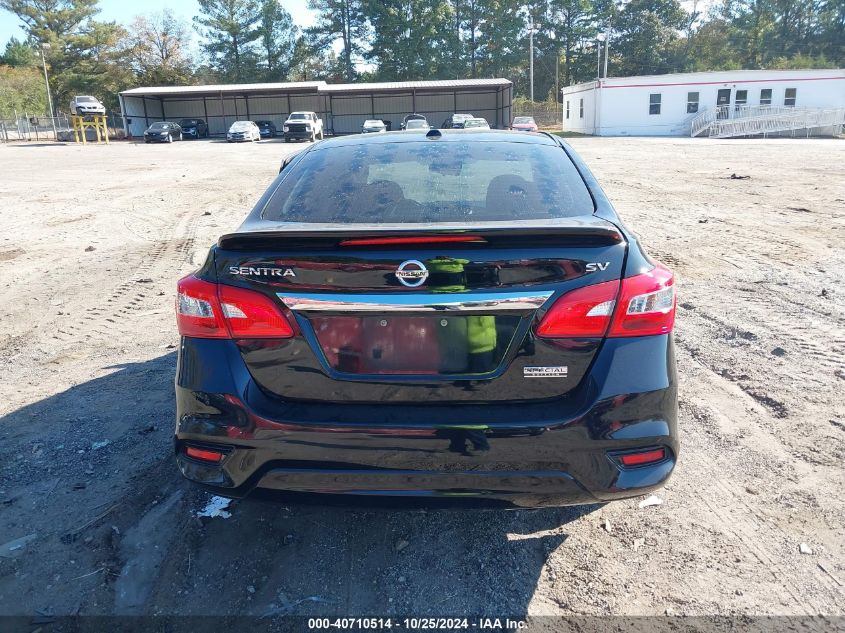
pixel 277 39
pixel 343 20
pixel 230 29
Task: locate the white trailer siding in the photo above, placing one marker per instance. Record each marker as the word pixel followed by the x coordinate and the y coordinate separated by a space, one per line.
pixel 665 105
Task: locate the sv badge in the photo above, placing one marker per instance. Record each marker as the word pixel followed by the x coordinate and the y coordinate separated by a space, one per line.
pixel 594 266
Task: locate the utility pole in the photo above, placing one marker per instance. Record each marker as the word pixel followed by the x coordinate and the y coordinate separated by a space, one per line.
pixel 606 50
pixel 49 96
pixel 532 28
pixel 598 56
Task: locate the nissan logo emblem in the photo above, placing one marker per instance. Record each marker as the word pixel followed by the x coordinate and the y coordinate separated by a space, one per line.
pixel 412 273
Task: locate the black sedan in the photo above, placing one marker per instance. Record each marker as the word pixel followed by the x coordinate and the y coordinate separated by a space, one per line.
pixel 266 128
pixel 468 319
pixel 163 132
pixel 194 128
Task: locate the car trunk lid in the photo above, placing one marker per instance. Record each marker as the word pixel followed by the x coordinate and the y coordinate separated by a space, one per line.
pixel 408 314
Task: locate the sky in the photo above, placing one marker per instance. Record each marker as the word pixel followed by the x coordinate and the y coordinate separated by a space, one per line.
pixel 124 10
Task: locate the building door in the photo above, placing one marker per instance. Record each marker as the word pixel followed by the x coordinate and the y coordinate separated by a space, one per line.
pixel 723 103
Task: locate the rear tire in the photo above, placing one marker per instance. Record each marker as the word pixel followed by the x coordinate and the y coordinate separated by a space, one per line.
pixel 322 135
pixel 181 137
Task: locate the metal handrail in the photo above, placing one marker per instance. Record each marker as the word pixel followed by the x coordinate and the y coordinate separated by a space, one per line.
pixel 723 121
pixel 779 119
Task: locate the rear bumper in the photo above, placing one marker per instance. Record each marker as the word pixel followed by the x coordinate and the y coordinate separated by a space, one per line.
pixel 526 455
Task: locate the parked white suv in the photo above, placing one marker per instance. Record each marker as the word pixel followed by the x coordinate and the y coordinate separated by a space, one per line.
pixel 303 125
pixel 83 104
pixel 243 131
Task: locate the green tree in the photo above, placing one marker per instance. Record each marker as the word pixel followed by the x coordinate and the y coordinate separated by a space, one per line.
pixel 230 29
pixel 22 90
pixel 311 63
pixel 502 47
pixel 84 55
pixel 645 38
pixel 19 54
pixel 344 20
pixel 158 48
pixel 277 38
pixel 413 39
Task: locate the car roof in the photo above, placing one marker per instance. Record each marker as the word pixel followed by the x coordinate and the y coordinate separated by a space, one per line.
pixel 446 136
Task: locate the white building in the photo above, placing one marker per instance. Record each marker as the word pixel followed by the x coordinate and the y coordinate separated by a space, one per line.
pixel 725 103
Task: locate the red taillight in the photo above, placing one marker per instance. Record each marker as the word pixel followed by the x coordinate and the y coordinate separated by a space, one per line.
pixel 198 311
pixel 420 239
pixel 207 310
pixel 204 454
pixel 251 314
pixel 646 304
pixel 584 312
pixel 639 459
pixel 641 305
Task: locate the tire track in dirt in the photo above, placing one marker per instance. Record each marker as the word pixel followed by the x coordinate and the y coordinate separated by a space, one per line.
pixel 753 531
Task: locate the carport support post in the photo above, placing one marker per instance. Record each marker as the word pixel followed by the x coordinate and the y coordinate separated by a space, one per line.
pixel 123 114
pixel 205 111
pixel 246 101
pixel 161 103
pixel 146 118
pixel 223 112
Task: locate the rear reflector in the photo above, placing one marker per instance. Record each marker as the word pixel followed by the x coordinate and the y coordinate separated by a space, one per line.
pixel 419 239
pixel 204 454
pixel 639 459
pixel 207 310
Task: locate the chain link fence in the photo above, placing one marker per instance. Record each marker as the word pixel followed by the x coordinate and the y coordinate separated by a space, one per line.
pixel 31 127
pixel 547 114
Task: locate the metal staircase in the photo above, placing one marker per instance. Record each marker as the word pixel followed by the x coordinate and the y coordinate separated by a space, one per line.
pixel 762 120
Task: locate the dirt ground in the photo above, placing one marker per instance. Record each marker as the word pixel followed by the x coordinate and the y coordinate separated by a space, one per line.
pixel 92 240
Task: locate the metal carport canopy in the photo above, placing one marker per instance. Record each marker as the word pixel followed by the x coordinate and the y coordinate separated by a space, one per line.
pixel 343 106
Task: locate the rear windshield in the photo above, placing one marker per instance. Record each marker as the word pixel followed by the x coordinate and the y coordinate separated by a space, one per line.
pixel 189 122
pixel 427 181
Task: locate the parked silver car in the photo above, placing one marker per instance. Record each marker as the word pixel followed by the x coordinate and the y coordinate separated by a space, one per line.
pixel 476 123
pixel 84 104
pixel 243 131
pixel 373 125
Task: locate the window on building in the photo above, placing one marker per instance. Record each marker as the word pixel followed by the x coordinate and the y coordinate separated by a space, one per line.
pixel 766 96
pixel 654 104
pixel 789 96
pixel 567 109
pixel 692 102
pixel 581 109
pixel 741 99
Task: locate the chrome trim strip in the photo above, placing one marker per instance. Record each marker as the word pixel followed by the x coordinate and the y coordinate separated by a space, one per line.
pixel 402 302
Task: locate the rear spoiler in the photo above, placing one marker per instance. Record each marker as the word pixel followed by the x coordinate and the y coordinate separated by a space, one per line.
pixel 590 231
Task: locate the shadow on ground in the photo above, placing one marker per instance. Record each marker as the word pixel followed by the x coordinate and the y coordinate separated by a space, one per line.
pixel 266 559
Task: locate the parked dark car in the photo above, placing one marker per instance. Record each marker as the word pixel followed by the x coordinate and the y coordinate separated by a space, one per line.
pixel 267 128
pixel 464 321
pixel 163 132
pixel 194 128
